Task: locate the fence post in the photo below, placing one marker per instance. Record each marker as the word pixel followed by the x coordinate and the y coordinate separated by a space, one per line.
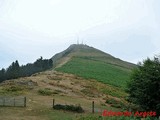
pixel 92 106
pixel 24 101
pixel 14 102
pixel 53 103
pixel 4 101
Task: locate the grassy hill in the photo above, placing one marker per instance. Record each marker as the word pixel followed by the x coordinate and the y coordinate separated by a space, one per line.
pixel 91 63
pixel 95 76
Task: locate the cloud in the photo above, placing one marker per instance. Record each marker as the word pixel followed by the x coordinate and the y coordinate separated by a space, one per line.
pixel 33 28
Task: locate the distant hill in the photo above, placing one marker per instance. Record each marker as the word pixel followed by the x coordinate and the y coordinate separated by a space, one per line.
pixel 91 63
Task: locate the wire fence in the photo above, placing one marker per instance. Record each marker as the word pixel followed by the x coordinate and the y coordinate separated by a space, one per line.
pixel 13 101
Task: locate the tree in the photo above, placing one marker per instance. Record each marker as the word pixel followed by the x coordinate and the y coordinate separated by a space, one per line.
pixel 144 87
pixel 50 63
pixel 2 74
pixel 13 71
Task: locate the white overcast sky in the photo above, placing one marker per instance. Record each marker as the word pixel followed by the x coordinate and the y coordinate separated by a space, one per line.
pixel 127 29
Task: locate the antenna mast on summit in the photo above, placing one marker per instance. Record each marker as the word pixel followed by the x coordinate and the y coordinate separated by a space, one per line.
pixel 77 39
pixel 77 42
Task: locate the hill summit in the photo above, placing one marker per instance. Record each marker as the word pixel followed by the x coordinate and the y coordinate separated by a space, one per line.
pixel 81 50
pixel 91 63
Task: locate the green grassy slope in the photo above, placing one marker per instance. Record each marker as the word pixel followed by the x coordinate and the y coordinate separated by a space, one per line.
pixel 101 71
pixel 92 63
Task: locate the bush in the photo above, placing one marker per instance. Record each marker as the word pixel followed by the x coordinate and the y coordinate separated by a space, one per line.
pixel 91 118
pixel 13 89
pixel 73 108
pixel 144 87
pixel 45 91
pixel 115 103
pixel 88 92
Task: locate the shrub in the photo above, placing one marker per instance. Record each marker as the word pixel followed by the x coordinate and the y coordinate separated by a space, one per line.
pixel 91 117
pixel 87 92
pixel 115 103
pixel 73 108
pixel 45 91
pixel 13 88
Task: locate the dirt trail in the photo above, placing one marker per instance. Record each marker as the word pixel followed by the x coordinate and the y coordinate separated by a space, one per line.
pixel 63 61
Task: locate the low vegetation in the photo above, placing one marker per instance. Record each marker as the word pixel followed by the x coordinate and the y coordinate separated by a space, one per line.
pixel 45 91
pixel 48 92
pixel 117 103
pixel 73 108
pixel 12 90
pixel 88 92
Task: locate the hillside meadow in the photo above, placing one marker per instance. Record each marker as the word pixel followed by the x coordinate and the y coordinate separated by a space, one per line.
pixel 94 69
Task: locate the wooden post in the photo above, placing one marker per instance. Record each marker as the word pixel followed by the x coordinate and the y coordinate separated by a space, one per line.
pixel 4 101
pixel 92 106
pixel 14 102
pixel 24 101
pixel 53 103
